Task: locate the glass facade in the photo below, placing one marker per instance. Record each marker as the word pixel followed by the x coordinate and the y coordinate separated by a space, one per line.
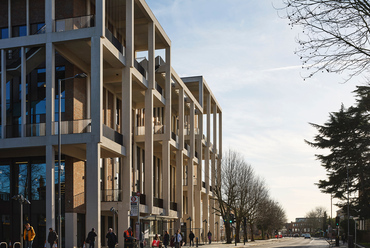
pixel 4 182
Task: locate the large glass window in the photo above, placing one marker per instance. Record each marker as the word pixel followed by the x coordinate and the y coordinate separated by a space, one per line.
pixel 4 182
pixel 60 74
pixel 23 179
pixel 38 184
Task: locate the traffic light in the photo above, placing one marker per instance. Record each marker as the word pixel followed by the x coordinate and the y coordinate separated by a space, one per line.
pixel 232 218
pixel 337 221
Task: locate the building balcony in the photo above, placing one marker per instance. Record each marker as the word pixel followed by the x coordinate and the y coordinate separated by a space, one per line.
pixel 111 195
pixel 173 206
pixel 74 23
pixel 157 202
pixel 112 135
pixel 157 129
pixel 72 127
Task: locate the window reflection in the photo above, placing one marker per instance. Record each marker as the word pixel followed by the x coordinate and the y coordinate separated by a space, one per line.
pixel 4 182
pixel 38 184
pixel 22 180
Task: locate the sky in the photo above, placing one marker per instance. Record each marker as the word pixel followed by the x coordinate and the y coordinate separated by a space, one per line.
pixel 245 51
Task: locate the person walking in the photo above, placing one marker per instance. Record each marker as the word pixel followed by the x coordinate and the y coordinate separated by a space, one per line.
pixel 191 237
pixel 178 239
pixel 112 238
pixel 52 237
pixel 129 239
pixel 166 239
pixel 28 235
pixel 209 237
pixel 91 238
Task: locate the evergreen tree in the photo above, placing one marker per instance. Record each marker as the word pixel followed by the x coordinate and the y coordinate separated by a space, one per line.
pixel 346 135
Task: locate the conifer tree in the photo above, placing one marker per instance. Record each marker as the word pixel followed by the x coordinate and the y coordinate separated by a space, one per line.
pixel 346 137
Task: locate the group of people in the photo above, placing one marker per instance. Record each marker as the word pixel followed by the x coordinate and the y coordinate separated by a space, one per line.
pixel 175 241
pixel 29 235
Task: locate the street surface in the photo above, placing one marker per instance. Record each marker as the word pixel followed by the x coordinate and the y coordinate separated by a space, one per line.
pixel 278 243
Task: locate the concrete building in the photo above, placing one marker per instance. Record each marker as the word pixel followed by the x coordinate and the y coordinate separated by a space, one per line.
pixel 132 125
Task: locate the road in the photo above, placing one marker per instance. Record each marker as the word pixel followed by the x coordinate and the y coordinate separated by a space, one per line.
pixel 277 243
pixel 297 243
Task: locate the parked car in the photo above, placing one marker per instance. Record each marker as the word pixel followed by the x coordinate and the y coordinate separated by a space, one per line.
pixel 307 236
pixel 296 235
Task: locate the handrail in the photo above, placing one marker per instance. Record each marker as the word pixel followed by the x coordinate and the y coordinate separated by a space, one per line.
pixel 74 23
pixel 2 243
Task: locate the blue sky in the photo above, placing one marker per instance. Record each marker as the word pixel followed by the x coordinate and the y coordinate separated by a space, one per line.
pixel 245 51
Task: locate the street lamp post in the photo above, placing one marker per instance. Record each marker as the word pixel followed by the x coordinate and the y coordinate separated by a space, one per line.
pixel 216 230
pixel 81 75
pixel 22 200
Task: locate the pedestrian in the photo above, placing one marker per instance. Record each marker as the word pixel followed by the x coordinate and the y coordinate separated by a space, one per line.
pixel 191 237
pixel 28 235
pixel 91 238
pixel 142 240
pixel 344 238
pixel 129 239
pixel 209 237
pixel 172 241
pixel 166 239
pixel 52 237
pixel 112 238
pixel 178 239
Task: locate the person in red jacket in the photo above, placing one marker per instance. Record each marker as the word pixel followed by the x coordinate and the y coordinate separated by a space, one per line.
pixel 28 235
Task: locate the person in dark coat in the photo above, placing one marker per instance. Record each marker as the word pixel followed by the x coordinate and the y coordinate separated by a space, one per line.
pixel 191 237
pixel 91 238
pixel 112 238
pixel 52 237
pixel 166 239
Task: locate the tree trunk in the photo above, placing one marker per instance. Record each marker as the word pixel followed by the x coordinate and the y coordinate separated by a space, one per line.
pixel 237 231
pixel 252 234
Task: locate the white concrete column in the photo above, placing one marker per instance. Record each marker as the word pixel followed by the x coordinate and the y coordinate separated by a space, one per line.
pixel 212 215
pixel 28 17
pixel 167 137
pixel 96 88
pixel 93 193
pixel 71 230
pixel 23 91
pixel 10 18
pixel 124 215
pixel 50 188
pixel 100 18
pixel 88 97
pixel 49 15
pixel 50 88
pixel 130 33
pixel 149 119
pixel 3 94
pixel 208 146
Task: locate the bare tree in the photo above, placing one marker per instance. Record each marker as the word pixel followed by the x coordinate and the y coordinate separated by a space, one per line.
pixel 270 217
pixel 257 193
pixel 244 179
pixel 315 218
pixel 335 34
pixel 226 192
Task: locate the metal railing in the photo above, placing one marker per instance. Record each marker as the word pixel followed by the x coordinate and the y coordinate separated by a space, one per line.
pixel 36 129
pixel 116 43
pixel 112 135
pixel 140 68
pixel 157 129
pixel 157 202
pixel 74 23
pixel 111 195
pixel 173 206
pixel 13 131
pixel 75 126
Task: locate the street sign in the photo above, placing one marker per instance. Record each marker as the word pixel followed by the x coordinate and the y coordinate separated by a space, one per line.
pixel 134 210
pixel 134 200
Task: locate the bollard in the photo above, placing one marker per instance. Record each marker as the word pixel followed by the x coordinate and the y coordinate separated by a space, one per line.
pixel 196 242
pixel 350 242
pixel 3 243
